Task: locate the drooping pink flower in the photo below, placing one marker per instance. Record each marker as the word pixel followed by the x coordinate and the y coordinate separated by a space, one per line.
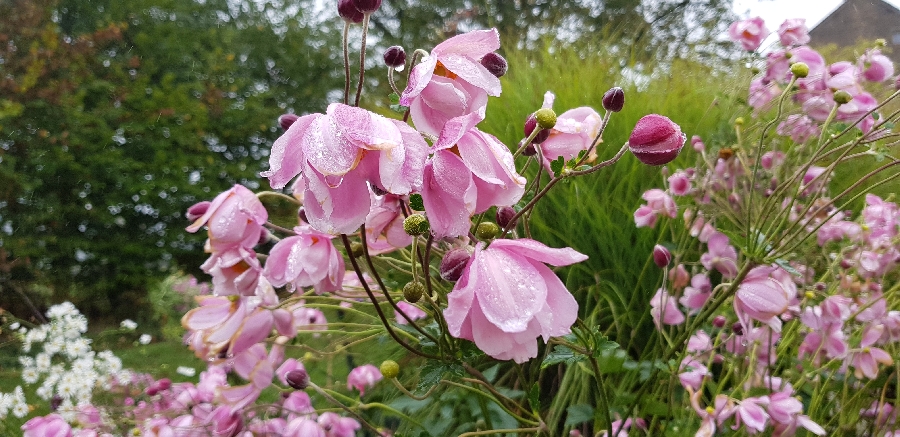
pixel 793 32
pixel 384 225
pixel 574 132
pixel 411 310
pixel 761 93
pixel 764 295
pixel 697 294
pixel 337 426
pixel 875 66
pixel 750 33
pixel 785 411
pixel 51 425
pixel 338 154
pixel 778 66
pixel 711 417
pixel 307 259
pixel 658 203
pixel 866 358
pixel 720 255
pixel 234 271
pixel 843 76
pixel 664 309
pixel 226 326
pixel 692 373
pixel 457 57
pixel 750 414
pixel 303 427
pixel 298 404
pixel 363 377
pixel 507 296
pixel 234 220
pixel 257 367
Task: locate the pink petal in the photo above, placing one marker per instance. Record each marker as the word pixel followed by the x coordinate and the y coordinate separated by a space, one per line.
pixel 286 157
pixel 510 289
pixel 448 193
pixel 539 252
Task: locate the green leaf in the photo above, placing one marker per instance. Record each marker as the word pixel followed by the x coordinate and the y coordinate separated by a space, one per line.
pixel 579 413
pixel 562 354
pixel 534 397
pixel 434 371
pixel 399 108
pixel 558 165
pixel 394 98
pixel 416 202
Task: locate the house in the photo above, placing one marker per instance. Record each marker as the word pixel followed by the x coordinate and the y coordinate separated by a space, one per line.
pixel 856 20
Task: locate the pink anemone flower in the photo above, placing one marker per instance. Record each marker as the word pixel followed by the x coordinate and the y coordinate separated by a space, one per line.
pixel 764 295
pixel 363 377
pixel 338 154
pixel 308 259
pixel 750 33
pixel 507 296
pixel 575 131
pixel 233 219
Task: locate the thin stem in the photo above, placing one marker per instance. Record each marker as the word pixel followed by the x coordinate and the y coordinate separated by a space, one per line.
pixel 349 410
pixel 500 431
pixel 362 59
pixel 345 44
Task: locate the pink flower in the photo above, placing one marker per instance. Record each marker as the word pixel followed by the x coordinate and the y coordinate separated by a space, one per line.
pixel 692 374
pixel 720 255
pixel 298 404
pixel 225 326
pixel 51 425
pixel 337 426
pixel 443 99
pixel 656 140
pixel 575 131
pixel 799 127
pixel 711 417
pixel 658 203
pixel 506 297
pixel 384 225
pixel 697 294
pixel 857 108
pixel 842 76
pixel 457 57
pixel 234 219
pixel 793 32
pixel 308 259
pixel 303 427
pixel 234 271
pixel 784 410
pixel 469 172
pixel 751 414
pixel 750 33
pixel 679 183
pixel 866 359
pixel 764 295
pixel 761 93
pixel 363 377
pixel 664 309
pixel 875 66
pixel 411 310
pixel 257 367
pixel 338 154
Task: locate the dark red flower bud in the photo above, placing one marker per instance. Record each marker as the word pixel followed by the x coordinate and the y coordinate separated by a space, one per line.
pixel 286 120
pixel 197 210
pixel 301 214
pixel 656 140
pixel 152 390
pixel 530 150
pixel 454 263
pixel 495 64
pixel 719 321
pixel 505 215
pixel 347 10
pixel 297 379
pixel 531 125
pixel 367 6
pixel 395 56
pixel 164 384
pixel 614 99
pixel 661 256
pixel 737 328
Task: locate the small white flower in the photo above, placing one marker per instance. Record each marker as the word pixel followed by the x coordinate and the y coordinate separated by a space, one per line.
pixel 186 371
pixel 145 339
pixel 20 410
pixel 14 326
pixel 30 375
pixel 129 324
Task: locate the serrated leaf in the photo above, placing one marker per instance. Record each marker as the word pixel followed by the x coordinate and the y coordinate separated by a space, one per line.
pixel 558 165
pixel 434 371
pixel 416 202
pixel 579 413
pixel 399 108
pixel 394 98
pixel 562 354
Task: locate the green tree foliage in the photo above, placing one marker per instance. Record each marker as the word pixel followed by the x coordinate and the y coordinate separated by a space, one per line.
pixel 116 116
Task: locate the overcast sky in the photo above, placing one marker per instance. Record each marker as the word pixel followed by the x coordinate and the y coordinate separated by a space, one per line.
pixel 776 11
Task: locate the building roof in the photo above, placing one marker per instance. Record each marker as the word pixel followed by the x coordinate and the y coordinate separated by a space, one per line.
pixel 856 20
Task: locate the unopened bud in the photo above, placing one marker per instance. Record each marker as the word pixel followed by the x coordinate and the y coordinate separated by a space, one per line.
pixel 389 369
pixel 614 99
pixel 546 118
pixel 800 69
pixel 656 140
pixel 297 379
pixel 347 10
pixel 661 256
pixel 737 328
pixel 754 70
pixel 164 384
pixel 413 291
pixel 197 210
pixel 739 121
pixel 719 321
pixel 356 249
pixel 487 230
pixel 530 150
pixel 495 64
pixel 505 215
pixel 416 224
pixel 286 120
pixel 841 97
pixel 367 6
pixel 395 57
pixel 453 264
pixel 530 125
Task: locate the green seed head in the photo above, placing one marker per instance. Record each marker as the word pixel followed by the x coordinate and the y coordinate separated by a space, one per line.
pixel 390 369
pixel 487 230
pixel 413 291
pixel 799 69
pixel 416 224
pixel 841 97
pixel 546 118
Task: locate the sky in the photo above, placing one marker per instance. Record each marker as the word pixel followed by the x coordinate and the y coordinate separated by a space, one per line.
pixel 774 12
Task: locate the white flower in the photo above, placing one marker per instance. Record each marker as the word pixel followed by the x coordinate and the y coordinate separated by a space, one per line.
pixel 145 339
pixel 14 326
pixel 42 362
pixel 30 375
pixel 186 371
pixel 129 324
pixel 20 410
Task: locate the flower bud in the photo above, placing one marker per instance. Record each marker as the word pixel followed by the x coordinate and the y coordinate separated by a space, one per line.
pixel 356 249
pixel 395 57
pixel 298 379
pixel 661 256
pixel 546 118
pixel 530 150
pixel 656 140
pixel 413 291
pixel 880 42
pixel 505 215
pixel 416 224
pixel 286 120
pixel 737 328
pixel 800 69
pixel 164 384
pixel 697 143
pixel 719 321
pixel 841 97
pixel 739 121
pixel 389 369
pixel 487 230
pixel 530 125
pixel 453 264
pixel 614 99
pixel 347 10
pixel 495 64
pixel 197 210
pixel 367 6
